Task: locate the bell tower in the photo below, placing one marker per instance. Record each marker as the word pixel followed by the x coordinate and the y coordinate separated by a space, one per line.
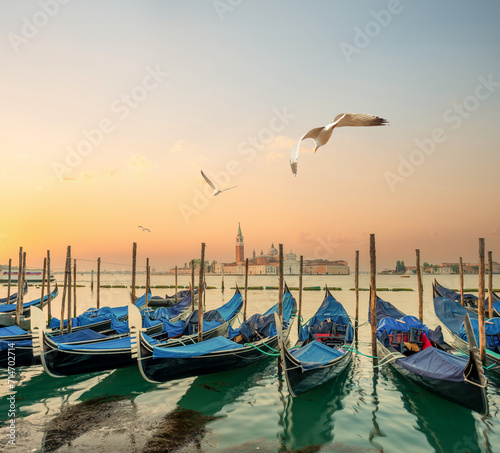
pixel 240 252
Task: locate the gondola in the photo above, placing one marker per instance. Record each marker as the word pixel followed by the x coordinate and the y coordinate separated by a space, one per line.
pixel 323 349
pixel 254 340
pixel 13 297
pixel 8 311
pixel 422 356
pixel 470 300
pixel 106 320
pixel 169 301
pixel 452 315
pixel 100 352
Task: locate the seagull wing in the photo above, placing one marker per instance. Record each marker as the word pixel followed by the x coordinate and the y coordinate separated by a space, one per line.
pixel 147 229
pixel 294 154
pixel 208 181
pixel 229 188
pixel 359 119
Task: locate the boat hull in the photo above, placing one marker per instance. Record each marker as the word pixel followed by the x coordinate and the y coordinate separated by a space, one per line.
pixel 301 381
pixel 166 369
pixel 471 396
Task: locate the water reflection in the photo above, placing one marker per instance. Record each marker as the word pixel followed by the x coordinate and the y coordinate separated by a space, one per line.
pixel 308 420
pixel 448 427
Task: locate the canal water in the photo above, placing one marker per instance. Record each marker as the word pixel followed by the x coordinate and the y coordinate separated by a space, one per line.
pixel 249 409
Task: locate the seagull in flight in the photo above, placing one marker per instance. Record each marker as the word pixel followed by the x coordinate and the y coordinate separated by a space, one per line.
pixel 321 135
pixel 211 184
pixel 144 229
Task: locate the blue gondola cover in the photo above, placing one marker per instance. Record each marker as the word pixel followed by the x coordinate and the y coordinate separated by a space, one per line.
pixel 436 364
pixel 197 349
pixel 492 328
pixel 315 354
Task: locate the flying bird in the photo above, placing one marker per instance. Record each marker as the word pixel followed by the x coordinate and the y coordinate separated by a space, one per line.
pixel 210 183
pixel 144 229
pixel 321 135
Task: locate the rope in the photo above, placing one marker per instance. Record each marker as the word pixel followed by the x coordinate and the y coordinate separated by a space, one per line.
pixel 358 352
pixel 263 352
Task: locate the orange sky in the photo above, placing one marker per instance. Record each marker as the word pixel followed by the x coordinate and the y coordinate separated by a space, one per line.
pixel 151 95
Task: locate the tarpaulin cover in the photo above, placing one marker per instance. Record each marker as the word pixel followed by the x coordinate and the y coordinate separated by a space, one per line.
pixel 119 326
pixel 260 326
pixel 436 364
pixel 288 306
pixel 4 344
pixel 142 300
pixel 119 312
pixel 11 330
pixel 492 328
pixel 12 307
pixel 213 318
pixel 384 310
pixel 195 350
pixel 453 295
pixel 174 329
pixel 55 323
pixel 78 336
pixel 390 324
pixel 150 340
pixel 148 322
pixel 332 310
pixel 113 345
pixel 451 313
pixel 316 354
pixel 179 307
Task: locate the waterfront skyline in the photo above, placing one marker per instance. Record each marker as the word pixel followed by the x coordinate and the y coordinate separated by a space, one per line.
pixel 110 111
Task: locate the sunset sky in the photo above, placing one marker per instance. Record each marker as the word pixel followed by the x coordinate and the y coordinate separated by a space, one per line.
pixel 109 110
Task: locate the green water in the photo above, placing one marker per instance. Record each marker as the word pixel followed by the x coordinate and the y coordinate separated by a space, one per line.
pixel 248 409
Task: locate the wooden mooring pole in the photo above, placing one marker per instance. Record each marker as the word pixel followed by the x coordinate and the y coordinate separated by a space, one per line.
pixel 420 289
pixel 134 270
pixel 63 302
pixel 9 280
pixel 98 283
pixel 222 284
pixel 192 285
pixel 147 282
pixel 74 288
pixel 373 296
pixel 200 294
pixel 246 291
pixel 19 300
pixel 280 270
pixel 49 309
pixel 461 270
pixel 480 304
pixel 356 288
pixel 301 270
pixel 70 288
pixel 175 284
pixel 43 282
pixel 490 284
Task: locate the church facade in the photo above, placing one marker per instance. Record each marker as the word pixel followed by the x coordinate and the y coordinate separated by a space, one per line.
pixel 268 263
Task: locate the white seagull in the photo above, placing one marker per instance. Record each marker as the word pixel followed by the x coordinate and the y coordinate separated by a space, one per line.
pixel 210 183
pixel 321 135
pixel 144 229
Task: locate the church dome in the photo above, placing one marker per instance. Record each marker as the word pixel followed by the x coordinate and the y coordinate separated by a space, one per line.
pixel 272 251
